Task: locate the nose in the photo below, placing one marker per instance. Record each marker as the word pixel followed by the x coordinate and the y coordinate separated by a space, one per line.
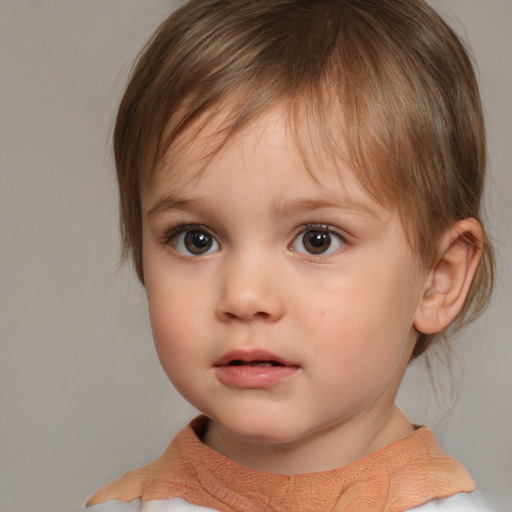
pixel 249 291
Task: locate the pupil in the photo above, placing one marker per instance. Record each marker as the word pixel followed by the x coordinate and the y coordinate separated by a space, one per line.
pixel 317 241
pixel 197 242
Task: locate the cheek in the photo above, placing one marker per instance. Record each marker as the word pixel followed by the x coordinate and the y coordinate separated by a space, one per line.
pixel 175 311
pixel 175 336
pixel 357 317
pixel 166 336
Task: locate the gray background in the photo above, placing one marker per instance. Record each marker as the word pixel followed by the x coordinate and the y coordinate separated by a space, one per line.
pixel 82 396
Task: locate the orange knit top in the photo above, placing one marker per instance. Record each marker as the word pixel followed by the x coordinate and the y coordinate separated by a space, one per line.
pixel 398 477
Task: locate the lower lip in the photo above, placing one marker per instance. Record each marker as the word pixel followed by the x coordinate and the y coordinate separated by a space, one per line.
pixel 254 377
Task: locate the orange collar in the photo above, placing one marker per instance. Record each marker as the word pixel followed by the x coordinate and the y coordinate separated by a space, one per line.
pixel 403 475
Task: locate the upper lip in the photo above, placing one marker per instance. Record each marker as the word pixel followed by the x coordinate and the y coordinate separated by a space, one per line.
pixel 248 356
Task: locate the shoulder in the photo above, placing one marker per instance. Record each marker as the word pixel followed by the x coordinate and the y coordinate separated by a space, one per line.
pixel 127 489
pixel 170 475
pixel 171 505
pixel 461 502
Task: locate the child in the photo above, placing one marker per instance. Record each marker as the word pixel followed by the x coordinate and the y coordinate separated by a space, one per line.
pixel 300 186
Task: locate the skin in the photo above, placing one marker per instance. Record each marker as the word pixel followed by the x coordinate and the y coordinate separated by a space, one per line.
pixel 344 318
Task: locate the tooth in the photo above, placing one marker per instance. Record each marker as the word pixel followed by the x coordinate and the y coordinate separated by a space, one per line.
pixel 237 362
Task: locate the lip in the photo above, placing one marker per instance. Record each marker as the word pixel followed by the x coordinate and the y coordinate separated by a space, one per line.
pixel 248 356
pixel 254 369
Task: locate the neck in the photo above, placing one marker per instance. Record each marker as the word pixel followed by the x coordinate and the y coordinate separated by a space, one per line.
pixel 333 447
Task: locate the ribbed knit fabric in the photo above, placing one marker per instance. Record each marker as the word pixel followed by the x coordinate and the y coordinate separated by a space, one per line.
pixel 398 477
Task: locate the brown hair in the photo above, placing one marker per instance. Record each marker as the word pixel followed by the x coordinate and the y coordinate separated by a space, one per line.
pixel 387 78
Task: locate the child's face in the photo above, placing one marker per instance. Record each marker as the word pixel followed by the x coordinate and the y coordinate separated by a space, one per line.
pixel 280 306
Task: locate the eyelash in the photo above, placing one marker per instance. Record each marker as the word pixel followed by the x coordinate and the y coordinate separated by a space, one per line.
pixel 171 238
pixel 181 228
pixel 323 228
pixel 171 235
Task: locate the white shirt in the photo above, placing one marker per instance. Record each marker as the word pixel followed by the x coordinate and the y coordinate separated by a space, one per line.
pixel 462 502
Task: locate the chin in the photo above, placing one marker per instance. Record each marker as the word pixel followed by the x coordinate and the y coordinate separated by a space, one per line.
pixel 260 430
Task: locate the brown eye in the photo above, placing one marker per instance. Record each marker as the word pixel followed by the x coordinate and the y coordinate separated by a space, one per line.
pixel 194 243
pixel 197 242
pixel 319 241
pixel 316 242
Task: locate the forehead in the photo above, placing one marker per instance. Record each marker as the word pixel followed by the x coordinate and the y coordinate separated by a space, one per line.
pixel 210 151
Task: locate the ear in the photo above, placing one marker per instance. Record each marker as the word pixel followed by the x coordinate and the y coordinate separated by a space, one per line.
pixel 448 283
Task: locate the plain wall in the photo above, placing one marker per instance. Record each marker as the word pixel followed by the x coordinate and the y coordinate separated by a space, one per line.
pixel 82 396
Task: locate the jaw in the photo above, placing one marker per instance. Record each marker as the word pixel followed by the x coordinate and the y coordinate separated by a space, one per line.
pixel 333 447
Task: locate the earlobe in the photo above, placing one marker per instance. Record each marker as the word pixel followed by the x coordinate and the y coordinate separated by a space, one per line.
pixel 449 281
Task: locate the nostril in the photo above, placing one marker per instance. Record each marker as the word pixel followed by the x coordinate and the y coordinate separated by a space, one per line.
pixel 260 315
pixel 248 304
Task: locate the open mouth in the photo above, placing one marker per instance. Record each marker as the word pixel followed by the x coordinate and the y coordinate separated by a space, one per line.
pixel 256 358
pixel 239 362
pixel 256 369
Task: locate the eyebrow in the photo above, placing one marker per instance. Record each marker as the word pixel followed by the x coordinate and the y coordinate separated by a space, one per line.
pixel 170 203
pixel 279 209
pixel 334 203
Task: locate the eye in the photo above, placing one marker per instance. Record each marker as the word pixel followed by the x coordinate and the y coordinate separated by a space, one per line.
pixel 194 242
pixel 318 240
